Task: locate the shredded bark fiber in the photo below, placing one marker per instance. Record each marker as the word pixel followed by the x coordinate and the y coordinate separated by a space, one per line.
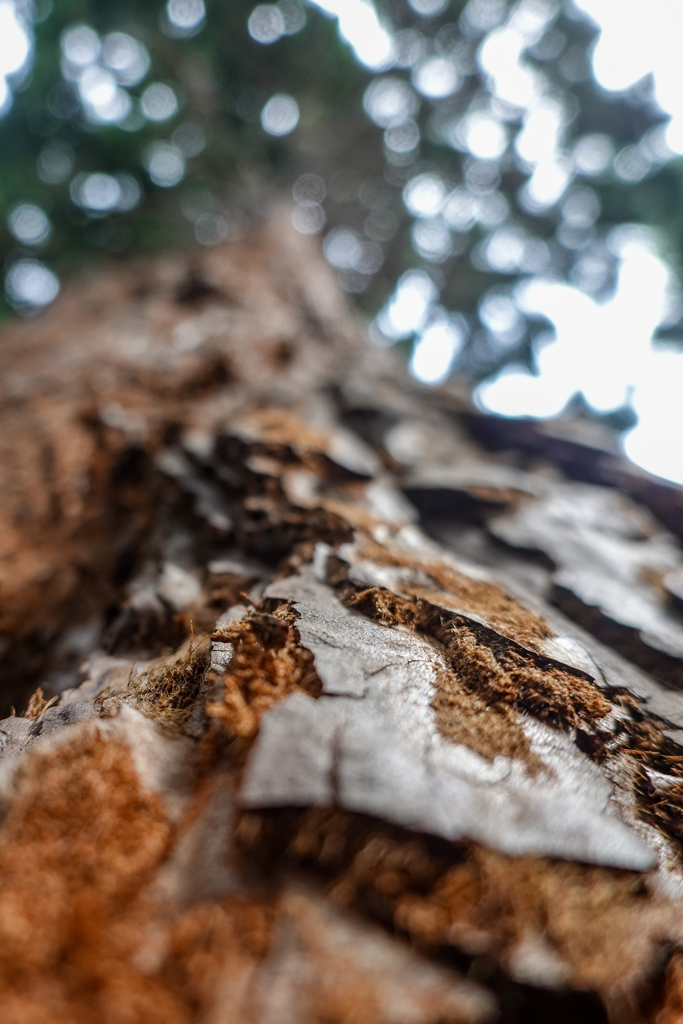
pixel 79 843
pixel 267 664
pixel 668 1008
pixel 38 705
pixel 124 906
pixel 284 427
pixel 270 527
pixel 167 693
pixel 244 961
pixel 490 730
pixel 479 597
pixel 502 675
pixel 602 927
pixel 646 763
pixel 84 938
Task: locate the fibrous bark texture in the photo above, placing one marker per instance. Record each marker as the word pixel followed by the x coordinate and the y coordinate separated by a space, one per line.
pixel 337 701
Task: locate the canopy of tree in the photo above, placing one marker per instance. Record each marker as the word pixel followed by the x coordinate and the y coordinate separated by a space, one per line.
pixel 476 149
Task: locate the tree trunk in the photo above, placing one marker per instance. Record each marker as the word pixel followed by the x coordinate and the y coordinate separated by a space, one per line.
pixel 355 705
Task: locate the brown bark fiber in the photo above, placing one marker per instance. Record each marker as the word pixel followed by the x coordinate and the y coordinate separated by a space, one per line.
pixel 330 695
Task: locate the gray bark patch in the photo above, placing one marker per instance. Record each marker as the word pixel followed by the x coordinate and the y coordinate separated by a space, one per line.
pixel 370 744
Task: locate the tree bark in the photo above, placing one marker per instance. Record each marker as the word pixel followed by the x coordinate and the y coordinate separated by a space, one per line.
pixel 354 704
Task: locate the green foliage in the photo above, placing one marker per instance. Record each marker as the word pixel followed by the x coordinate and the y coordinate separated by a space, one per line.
pixel 222 79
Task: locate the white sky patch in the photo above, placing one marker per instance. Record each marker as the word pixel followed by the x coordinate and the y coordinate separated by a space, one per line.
pixel 484 136
pixel 407 309
pixel 655 443
pixel 360 26
pixel 547 185
pixel 600 350
pixel 500 57
pixel 14 41
pixel 637 39
pixel 541 133
pixel 605 352
pixel 436 348
pixel 15 46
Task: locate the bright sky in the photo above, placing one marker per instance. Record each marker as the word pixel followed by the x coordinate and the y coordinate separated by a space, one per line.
pixel 14 49
pixel 639 37
pixel 603 350
pixel 360 26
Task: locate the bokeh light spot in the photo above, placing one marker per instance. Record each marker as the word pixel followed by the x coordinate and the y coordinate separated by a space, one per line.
pixel 403 138
pixel 29 224
pixel 190 139
pixel 432 240
pixel 436 348
pixel 266 24
pixel 280 115
pixel 29 283
pixel 308 219
pixel 369 258
pixel 97 192
pixel 484 136
pixel 104 101
pixel 80 45
pixel 159 102
pixel 390 101
pixel 436 78
pixel 459 210
pixel 632 164
pixel 499 313
pixel 407 309
pixel 293 14
pixel 381 225
pixel 428 8
pixel 130 192
pixel 186 16
pixel 592 154
pixel 126 57
pixel 309 190
pixel 581 208
pixel 55 162
pixel 341 248
pixel 164 163
pixel 424 195
pixel 211 229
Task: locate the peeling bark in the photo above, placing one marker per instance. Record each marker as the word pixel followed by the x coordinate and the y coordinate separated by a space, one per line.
pixel 354 704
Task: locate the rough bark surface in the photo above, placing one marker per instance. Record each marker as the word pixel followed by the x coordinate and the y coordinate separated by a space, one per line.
pixel 347 703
